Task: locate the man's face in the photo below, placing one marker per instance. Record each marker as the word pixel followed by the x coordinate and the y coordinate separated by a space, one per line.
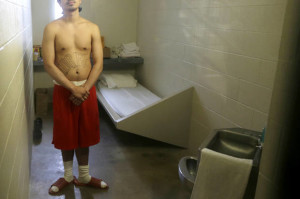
pixel 69 5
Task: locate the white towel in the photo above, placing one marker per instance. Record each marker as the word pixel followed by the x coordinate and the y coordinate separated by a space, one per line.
pixel 221 176
pixel 130 47
pixel 115 80
pixel 130 50
pixel 134 54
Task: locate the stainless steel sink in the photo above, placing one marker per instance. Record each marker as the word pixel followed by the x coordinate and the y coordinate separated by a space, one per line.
pixel 237 142
pixel 240 143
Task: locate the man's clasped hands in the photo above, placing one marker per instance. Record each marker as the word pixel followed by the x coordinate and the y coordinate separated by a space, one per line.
pixel 79 94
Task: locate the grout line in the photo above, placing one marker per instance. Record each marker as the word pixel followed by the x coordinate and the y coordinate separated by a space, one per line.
pixel 16 4
pixel 11 126
pixel 15 155
pixel 13 38
pixel 213 6
pixel 213 91
pixel 219 72
pixel 225 74
pixel 195 44
pixel 2 100
pixel 237 78
pixel 222 116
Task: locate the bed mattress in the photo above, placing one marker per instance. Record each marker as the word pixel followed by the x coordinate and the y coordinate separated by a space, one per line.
pixel 125 101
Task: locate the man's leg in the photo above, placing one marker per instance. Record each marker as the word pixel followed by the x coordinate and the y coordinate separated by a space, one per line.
pixel 82 155
pixel 67 156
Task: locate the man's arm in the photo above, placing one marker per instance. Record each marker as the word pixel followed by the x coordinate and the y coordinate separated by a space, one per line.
pixel 52 69
pixel 97 53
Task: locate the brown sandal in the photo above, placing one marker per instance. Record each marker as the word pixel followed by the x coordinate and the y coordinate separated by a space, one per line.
pixel 93 183
pixel 60 184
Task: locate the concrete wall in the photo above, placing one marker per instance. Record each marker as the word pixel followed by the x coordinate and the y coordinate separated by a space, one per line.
pixel 228 50
pixel 16 97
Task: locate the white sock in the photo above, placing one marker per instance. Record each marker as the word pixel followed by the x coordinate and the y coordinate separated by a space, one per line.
pixel 68 174
pixel 84 176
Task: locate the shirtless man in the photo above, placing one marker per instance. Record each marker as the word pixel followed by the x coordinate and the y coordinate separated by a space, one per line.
pixel 68 43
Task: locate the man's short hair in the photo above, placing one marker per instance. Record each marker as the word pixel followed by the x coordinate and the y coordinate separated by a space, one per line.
pixel 80 8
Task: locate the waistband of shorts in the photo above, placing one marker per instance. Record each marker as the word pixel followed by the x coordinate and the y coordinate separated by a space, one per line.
pixel 76 83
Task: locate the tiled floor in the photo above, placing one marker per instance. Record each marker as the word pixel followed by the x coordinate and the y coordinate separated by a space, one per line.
pixel 133 166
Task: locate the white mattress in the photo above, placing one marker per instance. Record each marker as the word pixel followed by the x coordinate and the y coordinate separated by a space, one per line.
pixel 125 101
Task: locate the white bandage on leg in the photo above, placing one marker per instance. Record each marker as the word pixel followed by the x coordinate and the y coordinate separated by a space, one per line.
pixel 84 176
pixel 68 174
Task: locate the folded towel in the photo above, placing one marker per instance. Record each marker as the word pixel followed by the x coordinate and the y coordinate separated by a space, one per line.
pixel 221 176
pixel 129 50
pixel 130 47
pixel 135 54
pixel 116 80
pixel 133 51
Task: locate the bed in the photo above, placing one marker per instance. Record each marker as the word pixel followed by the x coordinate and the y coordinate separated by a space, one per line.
pixel 137 110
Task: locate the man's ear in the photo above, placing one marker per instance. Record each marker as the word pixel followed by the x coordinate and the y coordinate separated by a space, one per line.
pixel 80 8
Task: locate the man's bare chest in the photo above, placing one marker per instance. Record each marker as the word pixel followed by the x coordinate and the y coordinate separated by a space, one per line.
pixel 67 39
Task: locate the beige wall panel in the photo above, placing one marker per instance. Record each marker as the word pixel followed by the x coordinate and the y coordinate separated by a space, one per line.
pixel 16 105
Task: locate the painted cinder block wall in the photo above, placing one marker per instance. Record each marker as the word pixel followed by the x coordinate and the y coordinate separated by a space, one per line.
pixel 280 152
pixel 16 98
pixel 227 50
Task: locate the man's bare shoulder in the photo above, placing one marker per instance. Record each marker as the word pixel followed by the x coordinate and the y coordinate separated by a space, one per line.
pixel 90 24
pixel 52 26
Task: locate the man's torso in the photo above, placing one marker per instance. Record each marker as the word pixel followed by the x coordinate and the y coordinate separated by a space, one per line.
pixel 73 49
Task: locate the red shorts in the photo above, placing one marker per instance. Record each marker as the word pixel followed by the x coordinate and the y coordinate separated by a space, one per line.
pixel 74 126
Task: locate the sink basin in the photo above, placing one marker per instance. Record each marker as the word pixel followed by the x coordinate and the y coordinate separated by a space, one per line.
pixel 236 142
pixel 240 143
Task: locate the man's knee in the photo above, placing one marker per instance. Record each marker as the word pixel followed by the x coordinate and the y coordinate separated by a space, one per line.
pixel 82 150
